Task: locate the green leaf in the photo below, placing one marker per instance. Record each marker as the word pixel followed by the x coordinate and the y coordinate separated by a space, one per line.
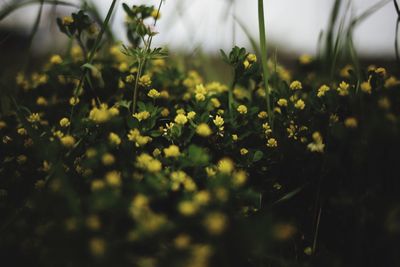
pixel 258 155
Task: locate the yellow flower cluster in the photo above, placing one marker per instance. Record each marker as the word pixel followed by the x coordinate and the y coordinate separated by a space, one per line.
pixel 296 85
pixel 343 89
pixel 242 109
pixel 148 163
pixel 64 122
pixel 145 81
pixel 300 104
pixel 200 92
pixel 114 139
pixel 366 87
pixel 203 130
pixel 322 90
pixel 103 114
pixel 215 223
pixel 67 141
pixel 219 122
pixel 317 145
pixel 272 143
pixel 225 166
pixel 351 122
pixel 172 151
pixel 34 117
pixel 143 115
pixel 134 135
pixel 153 93
pixel 282 102
pixel 179 178
pixel 181 119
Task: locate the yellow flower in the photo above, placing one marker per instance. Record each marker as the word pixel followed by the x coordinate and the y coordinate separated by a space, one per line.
pixel 343 89
pixel 188 208
pixel 345 71
pixel 144 115
pixel 172 151
pixel 391 81
pixel 317 145
pixel 41 101
pixel 282 102
pixel 67 20
pixel 384 103
pixel 381 71
pixel 34 117
pixel 73 101
pixel 215 102
pixel 181 111
pixel 296 85
pixel 305 59
pixel 242 109
pixel 202 197
pixel 64 122
pixel 155 14
pixel 351 122
pixel 252 58
pixel 22 131
pixel 97 185
pixel 68 141
pixel 246 64
pixel 97 246
pixel 300 104
pixel 165 112
pixel 135 136
pixel 322 90
pixel 239 178
pixel 3 125
pixel 203 130
pixel 182 241
pixel 272 143
pixel 191 115
pixel 215 223
pixel 147 162
pixel 56 60
pixel 156 152
pixel 225 166
pixel 113 179
pixel 102 114
pixel 200 89
pixel 210 171
pixel 181 119
pixel 267 128
pixel 200 97
pixel 235 137
pixel 145 80
pixel 21 159
pixel 114 139
pixel 219 121
pixel 153 93
pixel 93 222
pixel 366 87
pixel 108 159
pixel 263 115
pixel 244 151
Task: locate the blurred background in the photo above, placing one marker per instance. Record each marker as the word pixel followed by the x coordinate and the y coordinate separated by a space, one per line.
pixel 293 26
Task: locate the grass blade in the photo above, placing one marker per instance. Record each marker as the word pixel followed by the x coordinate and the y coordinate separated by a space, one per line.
pixel 263 45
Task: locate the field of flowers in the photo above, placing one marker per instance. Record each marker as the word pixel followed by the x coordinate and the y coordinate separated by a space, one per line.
pixel 113 156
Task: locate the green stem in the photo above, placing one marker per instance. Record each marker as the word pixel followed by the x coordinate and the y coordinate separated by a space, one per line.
pixel 136 89
pixel 263 44
pixel 142 65
pixel 96 46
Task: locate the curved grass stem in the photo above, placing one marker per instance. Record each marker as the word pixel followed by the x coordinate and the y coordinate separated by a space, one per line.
pixel 263 45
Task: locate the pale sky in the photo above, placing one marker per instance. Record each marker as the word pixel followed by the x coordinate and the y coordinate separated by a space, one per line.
pixel 292 24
